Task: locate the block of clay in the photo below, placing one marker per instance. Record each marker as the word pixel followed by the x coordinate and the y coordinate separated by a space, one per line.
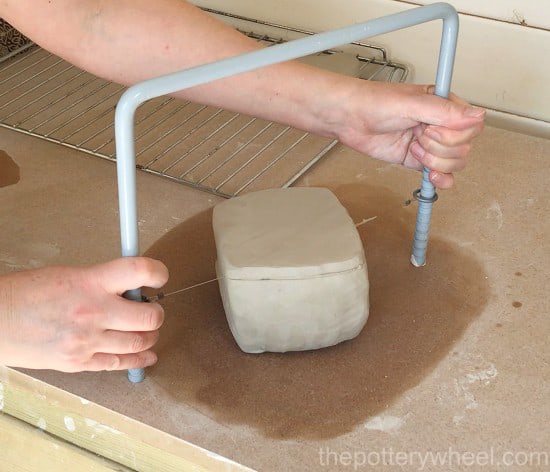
pixel 292 268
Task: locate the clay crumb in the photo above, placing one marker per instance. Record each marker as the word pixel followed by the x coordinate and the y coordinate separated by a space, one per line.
pixel 517 304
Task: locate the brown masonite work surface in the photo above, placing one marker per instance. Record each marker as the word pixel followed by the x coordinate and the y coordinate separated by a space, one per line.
pixel 454 355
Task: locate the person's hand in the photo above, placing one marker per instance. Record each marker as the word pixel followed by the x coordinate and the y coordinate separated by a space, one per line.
pixel 75 319
pixel 408 125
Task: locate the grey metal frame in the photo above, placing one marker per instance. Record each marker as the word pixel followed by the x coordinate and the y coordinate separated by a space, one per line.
pixel 170 83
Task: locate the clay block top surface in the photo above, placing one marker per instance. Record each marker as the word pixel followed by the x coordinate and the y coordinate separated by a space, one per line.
pixel 285 234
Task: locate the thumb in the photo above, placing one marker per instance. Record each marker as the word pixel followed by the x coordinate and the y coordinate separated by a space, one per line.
pixel 128 273
pixel 453 113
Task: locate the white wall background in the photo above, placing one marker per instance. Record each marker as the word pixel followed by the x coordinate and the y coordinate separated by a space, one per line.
pixel 534 13
pixel 503 57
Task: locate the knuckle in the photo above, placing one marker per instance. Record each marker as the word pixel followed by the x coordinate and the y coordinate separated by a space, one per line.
pixel 428 89
pixel 450 107
pixel 140 360
pixel 429 160
pixel 146 358
pixel 143 267
pixel 72 355
pixel 137 361
pixel 454 139
pixel 466 149
pixel 151 270
pixel 426 142
pixel 80 314
pixel 137 343
pixel 461 153
pixel 431 145
pixel 153 317
pixel 113 362
pixel 73 345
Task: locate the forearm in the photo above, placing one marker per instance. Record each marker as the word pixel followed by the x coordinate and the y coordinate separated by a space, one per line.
pixel 131 40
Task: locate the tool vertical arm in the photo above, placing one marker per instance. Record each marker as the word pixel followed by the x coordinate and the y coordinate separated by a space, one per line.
pixel 426 195
pixel 177 81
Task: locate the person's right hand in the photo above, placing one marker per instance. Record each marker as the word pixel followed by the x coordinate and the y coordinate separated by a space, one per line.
pixel 75 318
pixel 407 124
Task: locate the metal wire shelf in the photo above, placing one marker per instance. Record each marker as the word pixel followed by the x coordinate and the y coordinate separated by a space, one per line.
pixel 211 149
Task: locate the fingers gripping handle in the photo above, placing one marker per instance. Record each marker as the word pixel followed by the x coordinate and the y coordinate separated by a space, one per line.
pixel 426 195
pixel 177 81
